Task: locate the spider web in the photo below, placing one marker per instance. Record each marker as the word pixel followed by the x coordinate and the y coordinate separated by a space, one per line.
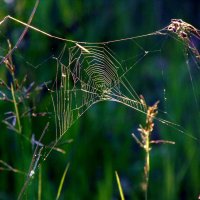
pixel 190 49
pixel 98 72
pixel 93 75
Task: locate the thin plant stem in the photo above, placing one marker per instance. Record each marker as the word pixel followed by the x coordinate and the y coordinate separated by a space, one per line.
pixel 19 130
pixel 23 33
pixel 40 183
pixel 145 139
pixel 34 163
pixel 147 165
pixel 7 167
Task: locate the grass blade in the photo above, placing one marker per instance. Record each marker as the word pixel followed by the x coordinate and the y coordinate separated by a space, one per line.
pixel 119 186
pixel 40 183
pixel 62 181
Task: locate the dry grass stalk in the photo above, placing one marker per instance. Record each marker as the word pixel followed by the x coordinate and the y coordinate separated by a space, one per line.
pixel 145 139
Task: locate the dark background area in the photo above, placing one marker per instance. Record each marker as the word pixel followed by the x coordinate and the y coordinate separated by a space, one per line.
pixel 102 141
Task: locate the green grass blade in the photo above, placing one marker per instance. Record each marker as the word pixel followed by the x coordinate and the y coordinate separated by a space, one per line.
pixel 40 183
pixel 119 186
pixel 62 181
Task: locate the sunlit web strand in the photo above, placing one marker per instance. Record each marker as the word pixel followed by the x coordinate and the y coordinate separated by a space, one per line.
pixel 94 93
pixel 77 42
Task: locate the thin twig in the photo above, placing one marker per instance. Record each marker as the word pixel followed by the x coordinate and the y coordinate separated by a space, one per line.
pixel 10 168
pixel 162 141
pixel 34 163
pixel 23 33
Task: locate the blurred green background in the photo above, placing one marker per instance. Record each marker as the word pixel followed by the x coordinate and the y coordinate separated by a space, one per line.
pixel 102 141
